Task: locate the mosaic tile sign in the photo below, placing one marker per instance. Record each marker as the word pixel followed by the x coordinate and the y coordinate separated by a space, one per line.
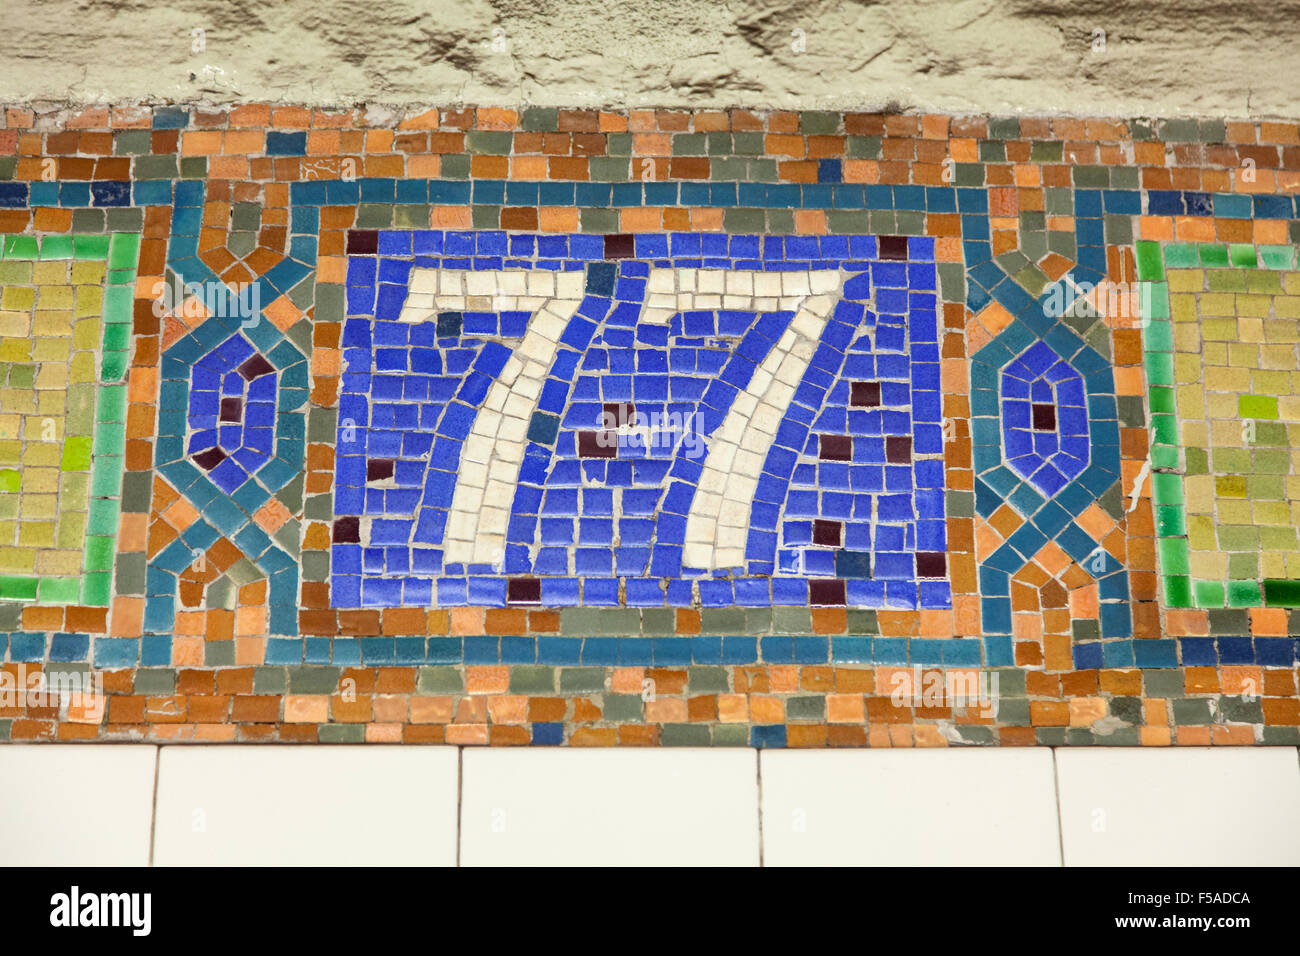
pixel 580 427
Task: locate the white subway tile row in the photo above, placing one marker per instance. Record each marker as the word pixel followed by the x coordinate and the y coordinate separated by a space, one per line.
pixel 128 805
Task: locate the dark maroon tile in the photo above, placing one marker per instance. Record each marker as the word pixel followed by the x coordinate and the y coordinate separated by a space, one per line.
pixel 232 409
pixel 617 414
pixel 893 247
pixel 835 447
pixel 254 367
pixel 379 469
pixel 931 564
pixel 864 394
pixel 1044 417
pixel 898 449
pixel 347 530
pixel 602 444
pixel 826 593
pixel 363 242
pixel 829 533
pixel 619 246
pixel 524 591
pixel 207 460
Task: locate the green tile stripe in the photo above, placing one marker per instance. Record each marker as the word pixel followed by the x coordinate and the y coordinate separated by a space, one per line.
pixel 121 254
pixel 1167 472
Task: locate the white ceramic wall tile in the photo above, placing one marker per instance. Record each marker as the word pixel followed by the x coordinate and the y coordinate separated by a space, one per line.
pixel 967 807
pixel 609 807
pixel 1180 807
pixel 328 805
pixel 76 805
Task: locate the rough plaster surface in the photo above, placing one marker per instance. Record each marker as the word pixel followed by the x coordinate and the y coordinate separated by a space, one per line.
pixel 1161 57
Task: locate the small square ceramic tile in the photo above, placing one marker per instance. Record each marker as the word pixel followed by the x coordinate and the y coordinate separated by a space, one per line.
pixel 1182 807
pixel 76 805
pixel 909 808
pixel 306 806
pixel 610 807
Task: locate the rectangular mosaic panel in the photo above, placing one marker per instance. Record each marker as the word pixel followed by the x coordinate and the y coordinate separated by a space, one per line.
pixel 65 312
pixel 717 421
pixel 556 426
pixel 1225 395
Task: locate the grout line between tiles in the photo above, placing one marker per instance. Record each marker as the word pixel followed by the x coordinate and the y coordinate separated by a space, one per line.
pixel 460 795
pixel 758 755
pixel 1060 822
pixel 153 810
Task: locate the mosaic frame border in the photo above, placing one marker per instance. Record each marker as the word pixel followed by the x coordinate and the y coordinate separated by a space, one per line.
pixel 1165 644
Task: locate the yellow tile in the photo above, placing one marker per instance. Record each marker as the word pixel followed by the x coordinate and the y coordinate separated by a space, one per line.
pixel 1250 304
pixel 1263 281
pixel 1280 538
pixel 15 350
pixel 1234 511
pixel 15 323
pixel 1185 280
pixel 1286 307
pixel 1227 378
pixel 55 297
pixel 40 480
pixel 52 376
pixel 90 301
pixel 36 534
pixel 17 400
pixel 1272 564
pixel 1195 434
pixel 1187 338
pixel 1282 329
pixel 1216 303
pixel 1187 368
pixel 1271 512
pixel 1215 353
pixel 1227 432
pixel 43 428
pixel 51 350
pixel 1219 329
pixel 88 272
pixel 1270 382
pixel 1191 401
pixel 39 506
pixel 37 453
pixel 17 560
pixel 82 368
pixel 1198 490
pixel 59 562
pixel 51 403
pixel 52 324
pixel 85 334
pixel 51 271
pixel 1221 405
pixel 1200 533
pixel 72 531
pixel 1230 486
pixel 1249 329
pixel 1182 308
pixel 17 298
pixel 1210 563
pixel 1278 356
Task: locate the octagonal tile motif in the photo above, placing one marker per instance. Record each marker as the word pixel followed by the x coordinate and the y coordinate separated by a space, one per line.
pixel 232 413
pixel 1044 418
